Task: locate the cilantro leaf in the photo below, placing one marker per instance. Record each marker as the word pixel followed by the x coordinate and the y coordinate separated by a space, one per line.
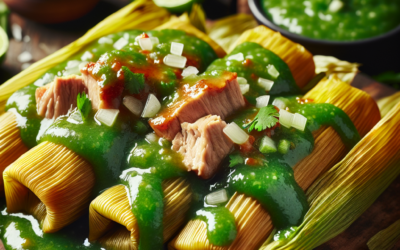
pixel 267 117
pixel 134 82
pixel 84 105
pixel 235 159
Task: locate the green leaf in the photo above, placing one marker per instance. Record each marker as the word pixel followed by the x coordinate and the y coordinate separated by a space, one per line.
pixel 267 117
pixel 235 159
pixel 84 105
pixel 134 82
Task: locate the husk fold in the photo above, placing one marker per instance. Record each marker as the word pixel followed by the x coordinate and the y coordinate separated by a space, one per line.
pixel 253 222
pixel 387 103
pixel 50 182
pixel 11 145
pixel 331 65
pixel 299 60
pixel 385 239
pixel 140 14
pixel 342 194
pixel 112 223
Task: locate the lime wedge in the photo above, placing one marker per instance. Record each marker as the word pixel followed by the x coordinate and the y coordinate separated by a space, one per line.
pixel 3 44
pixel 176 6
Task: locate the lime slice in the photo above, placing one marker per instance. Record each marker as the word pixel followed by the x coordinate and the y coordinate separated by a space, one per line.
pixel 3 44
pixel 176 6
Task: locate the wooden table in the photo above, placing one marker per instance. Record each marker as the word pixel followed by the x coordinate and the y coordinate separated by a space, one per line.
pixel 45 39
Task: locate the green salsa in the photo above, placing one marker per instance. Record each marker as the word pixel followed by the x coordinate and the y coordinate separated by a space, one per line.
pixel 337 20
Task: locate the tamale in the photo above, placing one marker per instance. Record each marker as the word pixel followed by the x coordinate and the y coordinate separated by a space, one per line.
pixel 328 150
pixel 113 224
pixel 35 182
pixel 11 145
pixel 385 239
pixel 387 103
pixel 343 193
pixel 299 60
pixel 346 71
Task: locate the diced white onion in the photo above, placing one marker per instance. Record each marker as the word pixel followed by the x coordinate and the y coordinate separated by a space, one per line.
pixel 235 133
pixel 105 40
pixel 133 104
pixel 122 42
pixel 299 121
pixel 268 142
pixel 145 44
pixel 190 71
pixel 244 88
pixel 175 61
pixel 107 116
pixel 241 80
pixel 285 118
pixel 262 101
pixel 87 56
pixel 237 57
pixel 177 48
pixel 75 118
pixel 272 71
pixel 154 41
pixel 72 68
pixel 279 103
pixel 217 197
pixel 151 137
pixel 152 106
pixel 265 83
pixel 335 6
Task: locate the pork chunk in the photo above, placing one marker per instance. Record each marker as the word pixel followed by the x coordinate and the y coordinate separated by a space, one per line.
pixel 219 96
pixel 58 97
pixel 203 145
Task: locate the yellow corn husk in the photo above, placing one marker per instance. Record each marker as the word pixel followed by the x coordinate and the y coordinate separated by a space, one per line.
pixel 331 65
pixel 385 239
pixel 50 182
pixel 11 145
pixel 140 14
pixel 387 103
pixel 226 31
pixel 343 193
pixel 299 60
pixel 328 150
pixel 198 17
pixel 111 210
pixel 183 23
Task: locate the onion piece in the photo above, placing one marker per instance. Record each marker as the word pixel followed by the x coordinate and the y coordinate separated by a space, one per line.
pixel 267 145
pixel 190 71
pixel 237 57
pixel 335 6
pixel 217 197
pixel 299 122
pixel 241 80
pixel 151 137
pixel 87 56
pixel 244 88
pixel 154 41
pixel 152 106
pixel 285 118
pixel 122 42
pixel 175 61
pixel 133 104
pixel 235 133
pixel 145 44
pixel 107 116
pixel 272 71
pixel 262 101
pixel 280 103
pixel 176 48
pixel 105 40
pixel 265 83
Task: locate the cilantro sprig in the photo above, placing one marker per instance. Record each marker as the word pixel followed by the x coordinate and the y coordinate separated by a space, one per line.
pixel 134 82
pixel 267 117
pixel 84 105
pixel 235 159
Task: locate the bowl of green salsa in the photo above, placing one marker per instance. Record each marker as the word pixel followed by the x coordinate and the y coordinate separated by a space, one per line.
pixel 365 31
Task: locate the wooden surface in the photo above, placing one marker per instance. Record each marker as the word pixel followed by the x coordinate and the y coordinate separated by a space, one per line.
pixel 45 39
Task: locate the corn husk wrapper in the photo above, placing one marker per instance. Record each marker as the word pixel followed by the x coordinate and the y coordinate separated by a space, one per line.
pixel 343 193
pixel 226 31
pixel 198 17
pixel 331 65
pixel 385 239
pixel 299 60
pixel 387 103
pixel 50 182
pixel 112 223
pixel 11 145
pixel 254 224
pixel 140 14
